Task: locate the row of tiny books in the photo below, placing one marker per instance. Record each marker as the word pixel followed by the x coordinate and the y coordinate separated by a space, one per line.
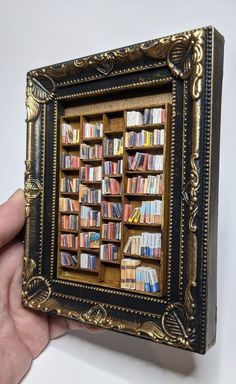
pixel 68 259
pixel 145 244
pixel 88 173
pixel 136 277
pixel 145 162
pixel 111 210
pixel 89 152
pixel 140 161
pixel 147 116
pixel 70 184
pixel 69 205
pixel 138 184
pixel 89 240
pixel 109 252
pixel 112 147
pixel 89 195
pixel 113 167
pixel 111 186
pixel 151 185
pixel 148 213
pixel 111 231
pixel 88 261
pixel 69 134
pixel 69 222
pixel 91 130
pixel 144 138
pixel 69 241
pixel 69 161
pixel 89 217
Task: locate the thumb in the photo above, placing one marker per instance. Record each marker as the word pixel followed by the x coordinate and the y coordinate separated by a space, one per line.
pixel 12 217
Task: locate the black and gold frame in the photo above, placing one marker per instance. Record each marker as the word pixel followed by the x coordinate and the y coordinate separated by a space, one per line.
pixel 184 72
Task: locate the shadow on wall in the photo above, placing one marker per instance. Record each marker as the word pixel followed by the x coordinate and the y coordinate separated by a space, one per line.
pixel 133 350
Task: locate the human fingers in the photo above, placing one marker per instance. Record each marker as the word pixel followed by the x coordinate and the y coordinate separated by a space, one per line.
pixel 12 217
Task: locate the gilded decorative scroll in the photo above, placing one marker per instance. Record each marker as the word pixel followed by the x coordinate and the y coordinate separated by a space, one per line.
pixel 33 187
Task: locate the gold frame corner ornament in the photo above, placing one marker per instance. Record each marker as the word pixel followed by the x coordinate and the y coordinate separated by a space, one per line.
pixel 37 94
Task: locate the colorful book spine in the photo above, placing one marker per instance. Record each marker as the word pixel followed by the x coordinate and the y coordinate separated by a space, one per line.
pixel 149 212
pixel 109 252
pixel 68 259
pixel 88 261
pixel 90 152
pixel 89 240
pixel 146 244
pixel 111 210
pixel 69 241
pixel 70 184
pixel 89 195
pixel 144 138
pixel 111 231
pixel 146 116
pixel 69 161
pixel 113 167
pixel 150 185
pixel 92 130
pixel 70 135
pixel 113 147
pixel 67 204
pixel 111 186
pixel 88 173
pixel 89 217
pixel 69 222
pixel 145 162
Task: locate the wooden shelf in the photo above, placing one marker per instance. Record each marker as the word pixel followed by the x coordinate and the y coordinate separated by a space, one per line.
pixel 114 176
pixel 146 126
pixel 112 157
pixel 151 258
pixel 137 172
pixel 143 195
pixel 111 241
pixel 89 250
pixel 145 148
pixel 68 249
pixel 92 140
pixel 71 146
pixel 70 169
pixel 113 133
pixel 91 160
pixel 70 194
pixel 69 266
pixel 110 196
pixel 68 231
pixel 111 261
pixel 141 224
pixel 69 213
pixel 87 270
pixel 90 228
pixel 91 204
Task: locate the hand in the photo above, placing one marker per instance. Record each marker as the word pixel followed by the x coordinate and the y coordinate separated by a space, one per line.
pixel 23 333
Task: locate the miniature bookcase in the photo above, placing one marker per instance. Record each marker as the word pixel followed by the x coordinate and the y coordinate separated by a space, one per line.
pixel 121 189
pixel 113 211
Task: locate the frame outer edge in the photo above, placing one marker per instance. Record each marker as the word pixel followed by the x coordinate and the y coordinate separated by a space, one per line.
pixel 215 119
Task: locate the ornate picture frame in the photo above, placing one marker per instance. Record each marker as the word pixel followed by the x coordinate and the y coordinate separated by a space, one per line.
pixel 189 66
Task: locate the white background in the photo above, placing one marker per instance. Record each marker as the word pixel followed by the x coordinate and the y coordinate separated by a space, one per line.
pixel 39 33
